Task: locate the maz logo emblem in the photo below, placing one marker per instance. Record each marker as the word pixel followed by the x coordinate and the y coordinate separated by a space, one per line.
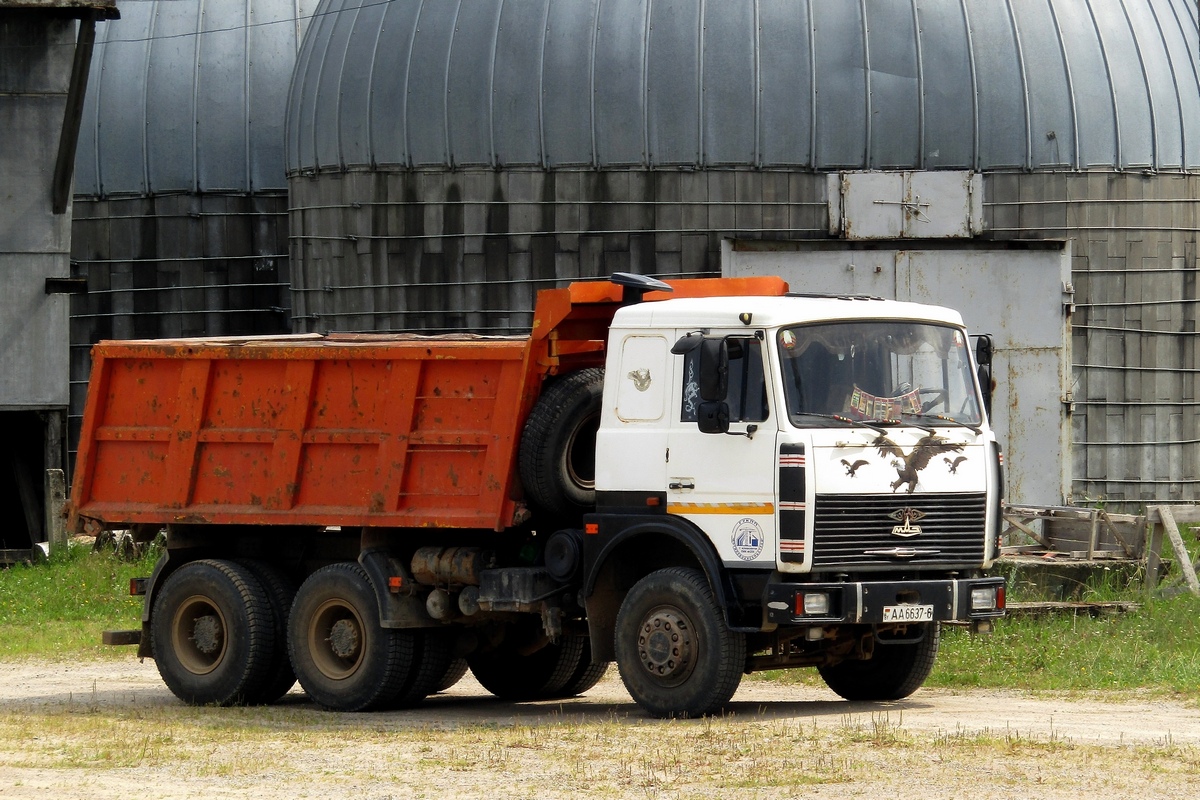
pixel 906 516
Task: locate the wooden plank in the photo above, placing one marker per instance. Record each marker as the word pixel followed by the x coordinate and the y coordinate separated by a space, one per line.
pixel 1181 553
pixel 1021 526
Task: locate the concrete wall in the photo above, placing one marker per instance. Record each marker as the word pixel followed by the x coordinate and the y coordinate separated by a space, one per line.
pixel 468 249
pixel 35 70
pixel 1136 423
pixel 176 265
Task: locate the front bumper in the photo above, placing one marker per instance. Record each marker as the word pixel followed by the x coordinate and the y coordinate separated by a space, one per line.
pixel 863 602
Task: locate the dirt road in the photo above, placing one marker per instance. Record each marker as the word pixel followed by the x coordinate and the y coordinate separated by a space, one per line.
pixel 102 729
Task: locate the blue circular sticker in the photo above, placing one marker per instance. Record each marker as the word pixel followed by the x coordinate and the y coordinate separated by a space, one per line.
pixel 747 539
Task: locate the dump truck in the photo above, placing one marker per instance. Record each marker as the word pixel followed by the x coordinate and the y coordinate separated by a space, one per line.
pixel 695 479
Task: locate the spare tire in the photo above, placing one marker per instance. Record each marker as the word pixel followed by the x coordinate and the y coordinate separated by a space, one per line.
pixel 557 458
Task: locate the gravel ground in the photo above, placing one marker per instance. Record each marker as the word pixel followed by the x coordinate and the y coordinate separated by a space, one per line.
pixel 111 729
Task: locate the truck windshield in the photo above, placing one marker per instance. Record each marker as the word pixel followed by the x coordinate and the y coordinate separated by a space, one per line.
pixel 878 372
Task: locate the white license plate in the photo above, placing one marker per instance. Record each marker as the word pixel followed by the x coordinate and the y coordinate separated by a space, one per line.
pixel 908 613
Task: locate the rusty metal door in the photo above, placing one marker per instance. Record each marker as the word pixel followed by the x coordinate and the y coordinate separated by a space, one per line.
pixel 1021 296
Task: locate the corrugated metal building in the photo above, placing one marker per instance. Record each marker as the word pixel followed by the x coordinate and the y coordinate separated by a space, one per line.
pixel 446 158
pixel 44 50
pixel 180 196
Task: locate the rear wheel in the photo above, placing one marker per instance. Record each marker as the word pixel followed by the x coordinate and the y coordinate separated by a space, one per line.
pixel 893 672
pixel 510 671
pixel 431 660
pixel 675 652
pixel 454 673
pixel 342 656
pixel 212 634
pixel 281 593
pixel 586 675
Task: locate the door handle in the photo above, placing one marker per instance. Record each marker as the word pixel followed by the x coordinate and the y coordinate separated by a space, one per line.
pixel 681 485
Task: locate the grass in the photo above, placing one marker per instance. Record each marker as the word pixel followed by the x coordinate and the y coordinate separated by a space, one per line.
pixel 58 608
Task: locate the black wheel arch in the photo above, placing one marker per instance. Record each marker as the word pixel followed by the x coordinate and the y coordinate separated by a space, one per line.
pixel 629 549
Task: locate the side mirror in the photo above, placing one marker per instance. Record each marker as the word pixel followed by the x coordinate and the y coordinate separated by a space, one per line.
pixel 714 363
pixel 714 370
pixel 983 350
pixel 983 357
pixel 713 417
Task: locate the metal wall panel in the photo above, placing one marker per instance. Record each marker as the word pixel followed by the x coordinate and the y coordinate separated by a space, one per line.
pixel 357 76
pixel 1091 85
pixel 947 82
pixel 1166 135
pixel 672 82
pixel 841 130
pixel 189 95
pixel 122 164
pixel 516 107
pixel 1032 348
pixel 620 90
pixel 389 100
pixel 300 132
pixel 567 119
pixel 1126 68
pixel 1052 111
pixel 729 98
pixel 469 94
pixel 1181 47
pixel 327 111
pixel 171 141
pixel 222 113
pixel 785 83
pixel 425 118
pixel 983 84
pixel 895 96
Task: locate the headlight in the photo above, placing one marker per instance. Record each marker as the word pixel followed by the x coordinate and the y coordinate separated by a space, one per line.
pixel 983 598
pixel 815 604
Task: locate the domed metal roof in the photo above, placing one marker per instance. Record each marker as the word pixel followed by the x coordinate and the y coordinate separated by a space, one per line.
pixel 189 96
pixel 795 84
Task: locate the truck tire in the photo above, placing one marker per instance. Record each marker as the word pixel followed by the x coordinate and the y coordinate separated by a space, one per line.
pixel 343 657
pixel 540 675
pixel 431 659
pixel 557 457
pixel 586 675
pixel 675 652
pixel 211 634
pixel 454 673
pixel 894 671
pixel 281 592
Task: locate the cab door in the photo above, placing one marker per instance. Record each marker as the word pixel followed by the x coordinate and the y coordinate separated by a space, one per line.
pixel 725 482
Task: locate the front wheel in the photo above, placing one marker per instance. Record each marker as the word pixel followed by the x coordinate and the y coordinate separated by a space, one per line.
pixel 676 655
pixel 893 672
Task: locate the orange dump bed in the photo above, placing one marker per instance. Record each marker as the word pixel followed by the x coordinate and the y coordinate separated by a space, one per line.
pixel 363 430
pixel 351 430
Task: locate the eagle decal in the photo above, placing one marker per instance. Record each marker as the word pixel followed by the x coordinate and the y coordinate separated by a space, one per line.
pixel 853 468
pixel 909 466
pixel 953 465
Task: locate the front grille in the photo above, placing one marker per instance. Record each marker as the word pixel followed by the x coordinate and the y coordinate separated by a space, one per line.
pixel 847 528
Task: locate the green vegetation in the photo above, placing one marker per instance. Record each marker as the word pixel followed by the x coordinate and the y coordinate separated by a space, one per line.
pixel 57 608
pixel 1156 646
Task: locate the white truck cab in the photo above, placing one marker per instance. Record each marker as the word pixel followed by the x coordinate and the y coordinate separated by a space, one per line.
pixel 827 462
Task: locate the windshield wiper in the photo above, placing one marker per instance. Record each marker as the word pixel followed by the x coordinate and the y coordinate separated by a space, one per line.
pixel 942 419
pixel 874 424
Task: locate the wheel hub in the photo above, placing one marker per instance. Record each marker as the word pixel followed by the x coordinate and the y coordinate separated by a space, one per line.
pixel 344 639
pixel 666 646
pixel 206 634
